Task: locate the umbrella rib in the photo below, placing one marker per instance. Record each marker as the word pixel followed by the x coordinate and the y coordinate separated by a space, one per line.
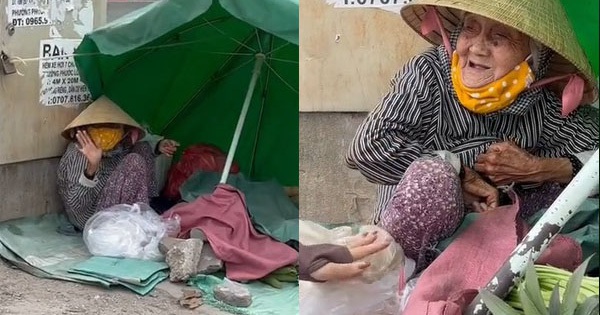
pixel 234 69
pixel 207 22
pixel 175 44
pixel 206 85
pixel 258 40
pixel 228 61
pixel 284 60
pixel 172 44
pixel 280 78
pixel 276 49
pixel 153 48
pixel 233 39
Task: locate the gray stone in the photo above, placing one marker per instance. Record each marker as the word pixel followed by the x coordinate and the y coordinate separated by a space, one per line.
pixel 197 233
pixel 166 243
pixel 209 263
pixel 235 295
pixel 183 259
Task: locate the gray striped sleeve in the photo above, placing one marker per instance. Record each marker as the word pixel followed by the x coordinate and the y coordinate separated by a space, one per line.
pixel 561 136
pixel 392 135
pixel 78 195
pixel 153 140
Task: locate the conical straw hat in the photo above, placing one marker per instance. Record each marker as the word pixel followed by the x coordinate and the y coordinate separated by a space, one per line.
pixel 102 111
pixel 543 20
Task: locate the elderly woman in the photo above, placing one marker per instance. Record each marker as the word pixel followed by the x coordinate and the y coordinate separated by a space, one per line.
pixel 481 110
pixel 105 164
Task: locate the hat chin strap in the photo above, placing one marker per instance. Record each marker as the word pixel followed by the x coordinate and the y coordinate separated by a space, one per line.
pixel 432 22
pixel 572 93
pixel 135 135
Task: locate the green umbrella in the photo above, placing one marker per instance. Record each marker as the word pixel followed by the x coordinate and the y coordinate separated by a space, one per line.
pixel 583 15
pixel 196 71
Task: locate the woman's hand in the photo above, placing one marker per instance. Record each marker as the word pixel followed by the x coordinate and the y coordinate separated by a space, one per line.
pixel 168 147
pixel 477 193
pixel 366 245
pixel 505 163
pixel 90 150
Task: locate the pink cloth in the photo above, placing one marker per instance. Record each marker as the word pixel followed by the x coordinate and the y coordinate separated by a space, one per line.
pixel 451 282
pixel 223 218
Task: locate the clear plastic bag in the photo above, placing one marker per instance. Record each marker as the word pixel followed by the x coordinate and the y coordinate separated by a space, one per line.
pixel 128 231
pixel 172 225
pixel 351 297
pixel 405 295
pixel 383 261
pixel 312 233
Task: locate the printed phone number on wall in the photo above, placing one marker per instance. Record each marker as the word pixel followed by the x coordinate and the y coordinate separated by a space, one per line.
pixel 375 3
pixel 64 99
pixel 30 21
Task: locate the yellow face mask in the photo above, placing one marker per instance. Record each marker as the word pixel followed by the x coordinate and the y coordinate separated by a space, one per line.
pixel 106 138
pixel 494 96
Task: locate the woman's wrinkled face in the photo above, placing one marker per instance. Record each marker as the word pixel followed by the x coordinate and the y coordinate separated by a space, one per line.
pixel 488 50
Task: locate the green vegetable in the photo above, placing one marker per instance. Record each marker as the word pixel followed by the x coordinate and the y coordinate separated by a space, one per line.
pixel 548 290
pixel 285 274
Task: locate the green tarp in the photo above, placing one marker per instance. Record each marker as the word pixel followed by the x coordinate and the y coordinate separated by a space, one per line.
pixel 34 245
pixel 266 300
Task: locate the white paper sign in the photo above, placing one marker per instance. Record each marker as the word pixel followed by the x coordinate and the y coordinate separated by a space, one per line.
pixel 60 81
pixel 28 13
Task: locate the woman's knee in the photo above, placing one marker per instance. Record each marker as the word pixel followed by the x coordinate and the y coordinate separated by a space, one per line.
pixel 142 148
pixel 134 162
pixel 426 204
pixel 430 186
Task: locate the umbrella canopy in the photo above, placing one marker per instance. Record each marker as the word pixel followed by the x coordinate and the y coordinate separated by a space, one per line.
pixel 183 68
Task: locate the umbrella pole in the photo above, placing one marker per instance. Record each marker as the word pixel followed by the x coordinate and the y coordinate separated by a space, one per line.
pixel 260 58
pixel 536 241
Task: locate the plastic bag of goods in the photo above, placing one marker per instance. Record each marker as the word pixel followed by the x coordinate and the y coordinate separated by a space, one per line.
pixel 128 231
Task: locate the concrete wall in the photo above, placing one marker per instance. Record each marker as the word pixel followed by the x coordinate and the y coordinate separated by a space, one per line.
pixel 29 188
pixel 347 56
pixel 29 125
pixel 330 192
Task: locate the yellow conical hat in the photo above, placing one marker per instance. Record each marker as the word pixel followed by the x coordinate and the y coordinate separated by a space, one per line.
pixel 543 20
pixel 102 111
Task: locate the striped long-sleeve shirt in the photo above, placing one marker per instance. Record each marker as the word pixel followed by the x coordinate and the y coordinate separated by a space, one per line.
pixel 421 114
pixel 79 194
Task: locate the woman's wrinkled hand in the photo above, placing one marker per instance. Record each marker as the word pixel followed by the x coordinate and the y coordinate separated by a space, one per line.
pixel 505 163
pixel 360 248
pixel 477 193
pixel 168 147
pixel 90 150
